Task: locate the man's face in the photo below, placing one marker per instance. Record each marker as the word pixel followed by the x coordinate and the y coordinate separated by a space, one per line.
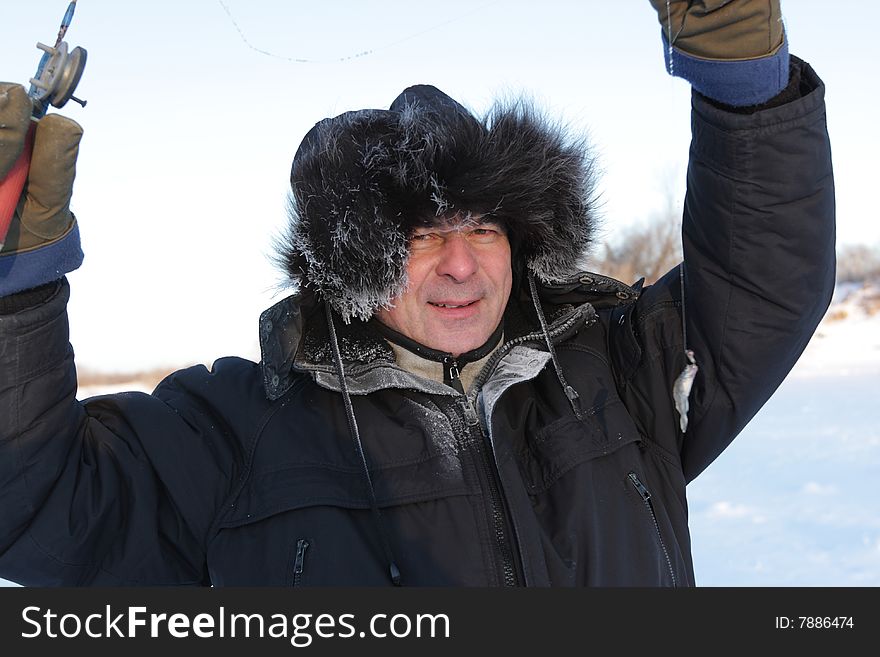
pixel 459 283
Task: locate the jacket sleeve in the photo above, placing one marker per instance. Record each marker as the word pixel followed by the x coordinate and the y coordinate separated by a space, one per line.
pixel 759 267
pixel 119 490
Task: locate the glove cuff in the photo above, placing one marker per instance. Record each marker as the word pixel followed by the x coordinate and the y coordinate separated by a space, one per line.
pixel 737 82
pixel 22 270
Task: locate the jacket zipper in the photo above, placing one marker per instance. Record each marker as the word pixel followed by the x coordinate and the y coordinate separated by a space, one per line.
pixel 301 546
pixel 646 498
pixel 487 460
pixel 451 376
pixel 498 514
pixel 496 503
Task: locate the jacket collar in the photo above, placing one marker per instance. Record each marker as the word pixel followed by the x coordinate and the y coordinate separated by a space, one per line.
pixel 294 338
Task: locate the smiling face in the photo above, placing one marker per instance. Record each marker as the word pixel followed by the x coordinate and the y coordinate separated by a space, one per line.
pixel 459 279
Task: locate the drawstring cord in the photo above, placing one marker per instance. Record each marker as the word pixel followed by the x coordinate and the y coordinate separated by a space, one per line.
pixel 355 434
pixel 571 393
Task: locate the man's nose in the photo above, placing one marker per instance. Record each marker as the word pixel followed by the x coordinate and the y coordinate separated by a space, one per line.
pixel 457 260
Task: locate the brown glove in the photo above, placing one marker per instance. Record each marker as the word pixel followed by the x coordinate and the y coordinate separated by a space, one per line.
pixel 722 29
pixel 43 213
pixel 733 51
pixel 42 243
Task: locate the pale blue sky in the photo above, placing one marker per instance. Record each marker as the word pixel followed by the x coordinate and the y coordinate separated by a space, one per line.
pixel 189 133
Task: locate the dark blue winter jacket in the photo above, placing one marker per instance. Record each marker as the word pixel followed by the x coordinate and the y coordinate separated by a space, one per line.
pixel 247 474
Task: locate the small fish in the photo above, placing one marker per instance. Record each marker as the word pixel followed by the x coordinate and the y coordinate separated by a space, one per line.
pixel 681 389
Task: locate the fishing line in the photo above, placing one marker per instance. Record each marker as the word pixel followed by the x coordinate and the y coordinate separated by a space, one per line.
pixel 357 55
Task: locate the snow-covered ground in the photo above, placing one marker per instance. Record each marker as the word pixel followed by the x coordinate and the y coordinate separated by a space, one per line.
pixel 792 502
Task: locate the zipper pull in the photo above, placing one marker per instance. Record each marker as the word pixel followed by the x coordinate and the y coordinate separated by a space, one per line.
pixel 470 413
pixel 640 487
pixel 451 375
pixel 301 546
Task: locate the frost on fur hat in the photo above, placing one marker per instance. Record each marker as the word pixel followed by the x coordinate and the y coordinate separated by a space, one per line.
pixel 362 181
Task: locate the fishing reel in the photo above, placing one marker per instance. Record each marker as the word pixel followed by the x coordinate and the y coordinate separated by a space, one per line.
pixel 54 83
pixel 57 76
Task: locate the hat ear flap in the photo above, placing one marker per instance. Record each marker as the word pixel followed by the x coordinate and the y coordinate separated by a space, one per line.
pixel 346 235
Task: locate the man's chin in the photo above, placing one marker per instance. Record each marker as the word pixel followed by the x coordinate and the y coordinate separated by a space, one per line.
pixel 456 344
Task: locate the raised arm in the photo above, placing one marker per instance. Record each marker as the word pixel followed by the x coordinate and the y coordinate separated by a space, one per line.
pixel 121 489
pixel 758 229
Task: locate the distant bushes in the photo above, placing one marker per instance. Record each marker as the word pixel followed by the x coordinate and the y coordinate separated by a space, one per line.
pixel 857 263
pixel 146 378
pixel 650 249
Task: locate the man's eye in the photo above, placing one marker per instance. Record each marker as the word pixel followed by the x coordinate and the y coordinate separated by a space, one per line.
pixel 483 235
pixel 423 240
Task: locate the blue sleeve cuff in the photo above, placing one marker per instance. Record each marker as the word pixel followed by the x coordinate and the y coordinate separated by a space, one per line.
pixel 732 82
pixel 22 271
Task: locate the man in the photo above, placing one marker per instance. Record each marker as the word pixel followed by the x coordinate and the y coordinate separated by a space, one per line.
pixel 447 399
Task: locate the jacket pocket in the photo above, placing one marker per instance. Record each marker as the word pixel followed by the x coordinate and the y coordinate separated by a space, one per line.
pixel 648 502
pixel 554 450
pixel 312 525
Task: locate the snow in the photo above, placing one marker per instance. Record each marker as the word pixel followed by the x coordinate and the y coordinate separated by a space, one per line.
pixel 792 502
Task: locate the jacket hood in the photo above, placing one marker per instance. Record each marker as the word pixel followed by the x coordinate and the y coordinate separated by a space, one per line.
pixel 362 181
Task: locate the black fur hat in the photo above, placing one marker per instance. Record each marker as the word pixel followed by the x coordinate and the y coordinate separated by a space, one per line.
pixel 362 181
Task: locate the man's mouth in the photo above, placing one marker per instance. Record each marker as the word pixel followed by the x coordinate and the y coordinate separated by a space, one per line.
pixel 452 305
